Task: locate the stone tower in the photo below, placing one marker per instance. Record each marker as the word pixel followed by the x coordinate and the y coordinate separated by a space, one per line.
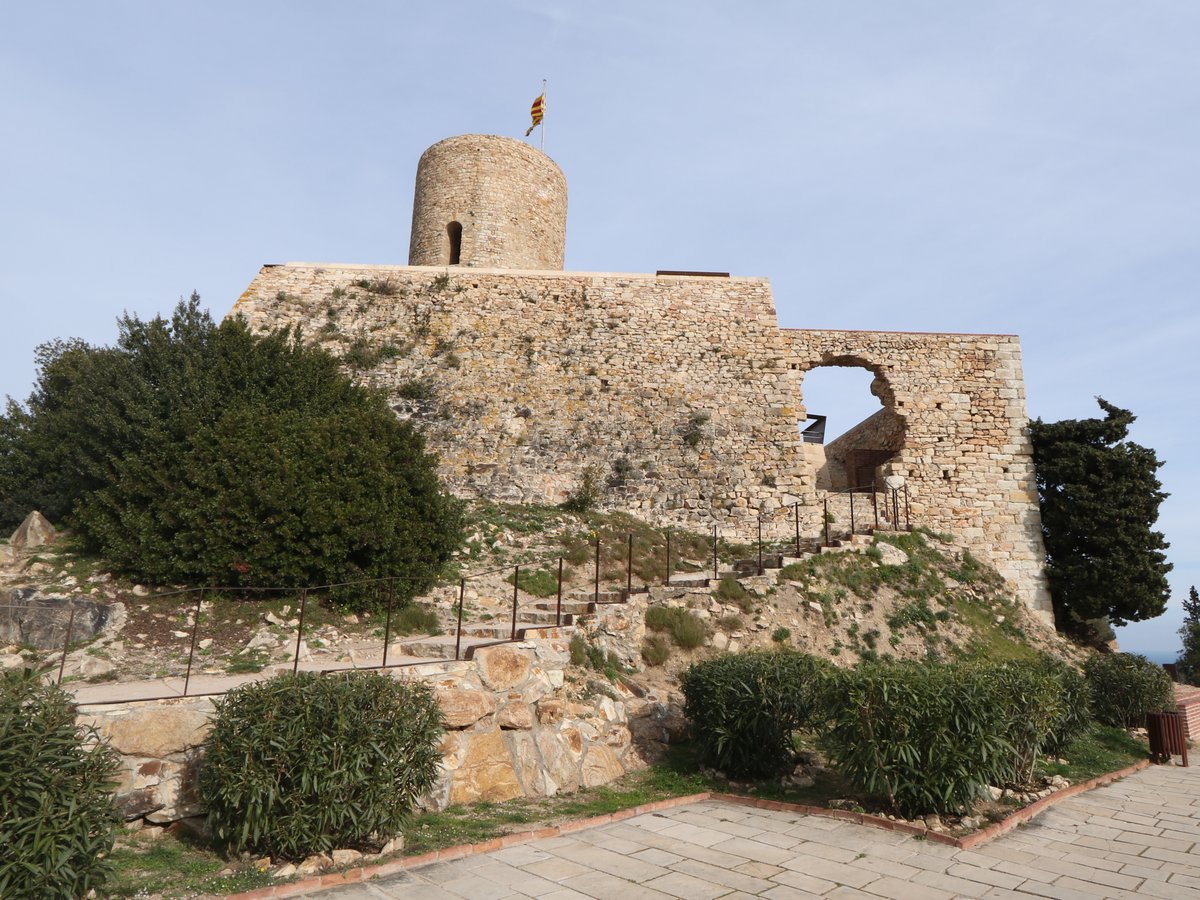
pixel 488 201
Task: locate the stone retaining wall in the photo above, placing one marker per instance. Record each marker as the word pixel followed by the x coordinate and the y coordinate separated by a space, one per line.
pixel 512 730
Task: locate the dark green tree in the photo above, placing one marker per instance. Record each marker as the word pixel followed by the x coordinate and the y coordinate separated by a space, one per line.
pixel 1099 497
pixel 201 453
pixel 1188 664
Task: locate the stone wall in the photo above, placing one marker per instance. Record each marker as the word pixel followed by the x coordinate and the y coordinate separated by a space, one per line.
pixel 513 730
pixel 678 395
pixel 884 431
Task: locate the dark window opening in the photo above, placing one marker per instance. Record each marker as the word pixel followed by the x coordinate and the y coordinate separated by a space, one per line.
pixel 454 232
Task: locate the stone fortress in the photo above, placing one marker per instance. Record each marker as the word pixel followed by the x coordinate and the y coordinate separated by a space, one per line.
pixel 675 396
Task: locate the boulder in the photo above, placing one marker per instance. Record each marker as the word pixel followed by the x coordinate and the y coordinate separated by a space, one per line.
pixel 486 773
pixel 463 708
pixel 28 617
pixel 157 731
pixel 503 668
pixel 601 766
pixel 514 714
pixel 36 531
pixel 891 555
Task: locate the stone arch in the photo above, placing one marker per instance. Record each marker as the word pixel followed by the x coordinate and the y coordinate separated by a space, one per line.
pixel 858 457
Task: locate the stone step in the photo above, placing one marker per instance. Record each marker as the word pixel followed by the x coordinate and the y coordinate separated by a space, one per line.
pixel 569 607
pixel 440 646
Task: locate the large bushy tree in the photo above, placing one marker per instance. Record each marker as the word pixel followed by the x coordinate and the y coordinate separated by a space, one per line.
pixel 1188 664
pixel 1099 497
pixel 200 453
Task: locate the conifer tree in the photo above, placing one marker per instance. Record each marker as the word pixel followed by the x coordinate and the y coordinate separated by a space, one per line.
pixel 1099 498
pixel 1188 664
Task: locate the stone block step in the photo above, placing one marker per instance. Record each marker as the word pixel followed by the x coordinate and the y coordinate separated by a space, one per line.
pixel 439 646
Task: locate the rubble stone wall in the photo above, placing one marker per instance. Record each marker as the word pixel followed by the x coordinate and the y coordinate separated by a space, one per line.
pixel 678 396
pixel 512 730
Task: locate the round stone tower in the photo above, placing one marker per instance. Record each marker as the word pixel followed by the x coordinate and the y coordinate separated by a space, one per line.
pixel 488 201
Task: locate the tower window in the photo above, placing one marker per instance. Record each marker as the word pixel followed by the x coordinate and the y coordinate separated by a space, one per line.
pixel 454 232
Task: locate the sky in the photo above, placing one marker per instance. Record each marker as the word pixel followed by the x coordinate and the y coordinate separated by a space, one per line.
pixel 1012 166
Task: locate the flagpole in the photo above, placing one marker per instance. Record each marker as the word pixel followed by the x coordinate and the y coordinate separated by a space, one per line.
pixel 543 148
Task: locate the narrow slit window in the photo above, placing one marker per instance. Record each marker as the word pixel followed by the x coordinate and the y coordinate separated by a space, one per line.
pixel 454 232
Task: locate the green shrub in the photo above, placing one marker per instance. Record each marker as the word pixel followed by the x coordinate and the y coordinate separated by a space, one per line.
pixel 656 650
pixel 1031 700
pixel 925 737
pixel 730 590
pixel 538 582
pixel 1075 711
pixel 685 628
pixel 305 763
pixel 201 453
pixel 745 706
pixel 57 817
pixel 1126 686
pixel 416 619
pixel 781 635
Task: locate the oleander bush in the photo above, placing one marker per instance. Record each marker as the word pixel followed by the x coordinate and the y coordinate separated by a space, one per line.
pixel 1126 686
pixel 303 764
pixel 58 820
pixel 1031 700
pixel 1075 712
pixel 745 706
pixel 925 738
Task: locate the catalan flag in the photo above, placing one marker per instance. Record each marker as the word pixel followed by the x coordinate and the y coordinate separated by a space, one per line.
pixel 536 111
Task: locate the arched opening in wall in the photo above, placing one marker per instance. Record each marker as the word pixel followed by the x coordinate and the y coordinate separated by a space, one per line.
pixel 454 233
pixel 852 428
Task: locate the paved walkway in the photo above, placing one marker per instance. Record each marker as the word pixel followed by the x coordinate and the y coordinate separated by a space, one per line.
pixel 1139 837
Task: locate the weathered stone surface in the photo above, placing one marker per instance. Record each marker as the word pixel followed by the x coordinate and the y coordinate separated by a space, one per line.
pixel 694 380
pixel 503 668
pixel 550 711
pixel 156 731
pixel 562 765
pixel 29 617
pixel 600 766
pixel 36 531
pixel 463 708
pixel 891 555
pixel 514 715
pixel 529 765
pixel 486 773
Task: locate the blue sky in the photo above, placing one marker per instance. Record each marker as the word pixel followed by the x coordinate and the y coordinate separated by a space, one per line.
pixel 998 166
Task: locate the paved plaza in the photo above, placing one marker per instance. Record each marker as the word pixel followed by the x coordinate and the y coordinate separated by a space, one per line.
pixel 1139 837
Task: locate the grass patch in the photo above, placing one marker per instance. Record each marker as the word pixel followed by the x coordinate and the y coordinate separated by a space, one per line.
pixel 168 867
pixel 686 628
pixel 538 582
pixel 730 590
pixel 416 619
pixel 1101 749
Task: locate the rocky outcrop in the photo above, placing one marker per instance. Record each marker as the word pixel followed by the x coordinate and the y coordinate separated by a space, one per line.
pixel 30 618
pixel 36 531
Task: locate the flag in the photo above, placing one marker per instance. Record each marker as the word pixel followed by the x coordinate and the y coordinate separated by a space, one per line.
pixel 535 111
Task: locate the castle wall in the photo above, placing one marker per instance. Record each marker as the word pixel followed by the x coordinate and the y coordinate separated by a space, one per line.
pixel 677 397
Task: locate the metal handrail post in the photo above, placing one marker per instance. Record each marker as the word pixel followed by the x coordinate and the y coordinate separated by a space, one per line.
pixel 387 623
pixel 62 663
pixel 715 567
pixel 462 592
pixel 852 526
pixel 668 581
pixel 187 678
pixel 300 629
pixel 516 578
pixel 826 521
pixel 760 561
pixel 796 510
pixel 629 566
pixel 558 605
pixel 596 588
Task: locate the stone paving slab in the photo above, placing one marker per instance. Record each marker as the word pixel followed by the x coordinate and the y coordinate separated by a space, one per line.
pixel 1139 837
